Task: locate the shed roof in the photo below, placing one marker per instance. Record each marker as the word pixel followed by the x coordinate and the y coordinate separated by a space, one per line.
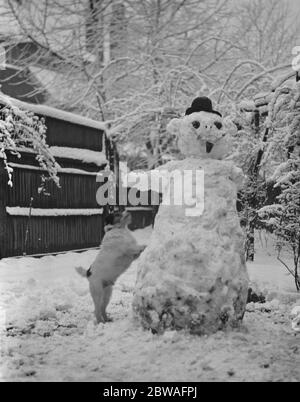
pixel 44 110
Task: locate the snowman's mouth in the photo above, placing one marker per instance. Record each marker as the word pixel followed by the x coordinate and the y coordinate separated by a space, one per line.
pixel 209 147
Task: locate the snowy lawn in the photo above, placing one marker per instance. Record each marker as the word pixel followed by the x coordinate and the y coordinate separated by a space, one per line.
pixel 48 331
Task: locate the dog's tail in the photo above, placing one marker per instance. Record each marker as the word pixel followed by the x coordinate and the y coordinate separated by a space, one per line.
pixel 82 272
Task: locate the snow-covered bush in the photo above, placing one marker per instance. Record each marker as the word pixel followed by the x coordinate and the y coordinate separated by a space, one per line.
pixel 264 146
pixel 247 145
pixel 284 216
pixel 21 129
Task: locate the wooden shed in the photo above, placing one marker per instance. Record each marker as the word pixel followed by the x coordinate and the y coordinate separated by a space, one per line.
pixel 68 217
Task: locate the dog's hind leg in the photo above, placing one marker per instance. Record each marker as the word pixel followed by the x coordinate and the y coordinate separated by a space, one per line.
pixel 106 298
pixel 98 299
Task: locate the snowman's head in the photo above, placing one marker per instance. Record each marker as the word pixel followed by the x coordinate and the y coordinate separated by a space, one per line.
pixel 200 133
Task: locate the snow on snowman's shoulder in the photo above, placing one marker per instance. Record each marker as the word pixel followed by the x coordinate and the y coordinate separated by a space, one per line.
pixel 210 166
pixel 222 168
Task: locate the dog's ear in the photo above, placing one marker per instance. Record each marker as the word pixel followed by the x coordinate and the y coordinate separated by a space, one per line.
pixel 126 219
pixel 109 220
pixel 174 127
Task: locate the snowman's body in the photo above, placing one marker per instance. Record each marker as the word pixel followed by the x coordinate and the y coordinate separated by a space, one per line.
pixel 193 274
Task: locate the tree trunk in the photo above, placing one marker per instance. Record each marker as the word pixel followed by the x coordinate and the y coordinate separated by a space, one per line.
pixel 3 214
pixel 250 251
pixel 106 35
pixel 297 278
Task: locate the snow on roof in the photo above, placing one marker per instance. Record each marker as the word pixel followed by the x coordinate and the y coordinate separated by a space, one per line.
pixel 247 105
pixel 263 99
pixel 12 67
pixel 20 211
pixel 51 80
pixel 83 155
pixel 289 79
pixel 57 85
pixel 138 208
pixel 44 110
pixel 60 170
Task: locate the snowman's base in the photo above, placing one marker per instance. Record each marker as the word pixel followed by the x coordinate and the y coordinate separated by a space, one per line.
pixel 184 309
pixel 193 275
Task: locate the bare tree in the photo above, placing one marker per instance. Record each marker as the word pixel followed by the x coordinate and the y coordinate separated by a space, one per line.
pixel 125 62
pixel 134 64
pixel 267 33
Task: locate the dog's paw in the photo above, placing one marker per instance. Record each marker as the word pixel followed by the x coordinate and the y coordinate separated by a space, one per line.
pixel 109 319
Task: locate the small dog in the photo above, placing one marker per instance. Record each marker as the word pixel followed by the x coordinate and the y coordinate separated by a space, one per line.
pixel 118 250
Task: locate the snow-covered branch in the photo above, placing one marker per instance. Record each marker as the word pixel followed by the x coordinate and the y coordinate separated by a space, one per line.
pixel 19 129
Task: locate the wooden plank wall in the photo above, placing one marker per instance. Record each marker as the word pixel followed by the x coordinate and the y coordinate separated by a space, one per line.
pixel 141 218
pixel 142 215
pixel 52 234
pixel 77 191
pixel 66 134
pixel 49 234
pixel 3 215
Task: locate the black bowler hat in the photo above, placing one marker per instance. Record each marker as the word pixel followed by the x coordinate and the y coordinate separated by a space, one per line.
pixel 201 104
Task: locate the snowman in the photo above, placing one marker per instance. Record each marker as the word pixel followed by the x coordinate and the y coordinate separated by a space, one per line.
pixel 193 275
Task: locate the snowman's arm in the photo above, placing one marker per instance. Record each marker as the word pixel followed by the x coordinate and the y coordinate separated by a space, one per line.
pixel 151 177
pixel 237 176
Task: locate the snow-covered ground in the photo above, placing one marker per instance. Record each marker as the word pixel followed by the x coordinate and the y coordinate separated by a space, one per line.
pixel 48 331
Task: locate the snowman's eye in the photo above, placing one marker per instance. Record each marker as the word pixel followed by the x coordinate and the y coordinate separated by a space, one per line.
pixel 196 124
pixel 218 125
